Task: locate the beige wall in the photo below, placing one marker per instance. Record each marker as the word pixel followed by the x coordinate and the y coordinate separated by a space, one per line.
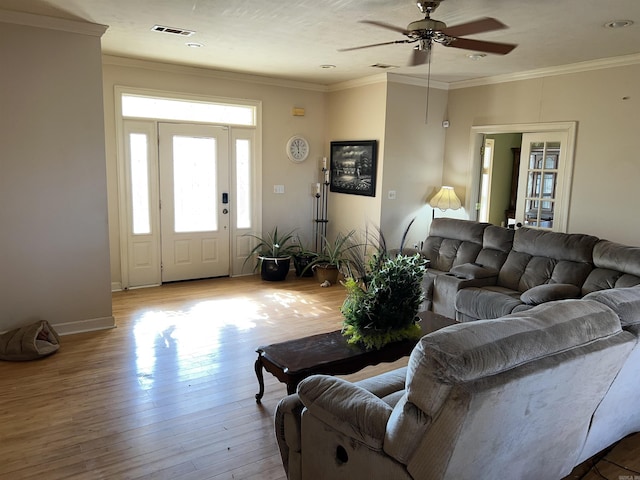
pixel 356 113
pixel 605 103
pixel 294 208
pixel 413 156
pixel 54 237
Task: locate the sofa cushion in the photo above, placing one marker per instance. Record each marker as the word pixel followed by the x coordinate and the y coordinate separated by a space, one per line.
pixel 346 407
pixel 624 301
pixel 497 242
pixel 549 292
pixel 615 256
pixel 485 302
pixel 453 242
pixel 540 257
pixel 617 266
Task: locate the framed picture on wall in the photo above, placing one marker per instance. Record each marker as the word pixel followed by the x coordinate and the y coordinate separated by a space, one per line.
pixel 353 167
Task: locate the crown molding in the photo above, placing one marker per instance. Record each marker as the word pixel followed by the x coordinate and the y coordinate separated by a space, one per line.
pixel 209 73
pixel 416 81
pixel 52 23
pixel 387 77
pixel 600 64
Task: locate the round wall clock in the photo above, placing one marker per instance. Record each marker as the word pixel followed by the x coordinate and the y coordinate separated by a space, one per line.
pixel 297 149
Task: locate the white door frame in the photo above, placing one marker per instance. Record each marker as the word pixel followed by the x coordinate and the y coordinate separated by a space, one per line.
pixel 475 158
pixel 240 246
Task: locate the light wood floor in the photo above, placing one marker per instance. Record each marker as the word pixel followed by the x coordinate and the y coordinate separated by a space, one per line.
pixel 169 393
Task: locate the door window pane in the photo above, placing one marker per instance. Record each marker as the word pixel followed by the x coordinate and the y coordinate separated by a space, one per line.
pixel 195 184
pixel 541 184
pixel 139 160
pixel 243 192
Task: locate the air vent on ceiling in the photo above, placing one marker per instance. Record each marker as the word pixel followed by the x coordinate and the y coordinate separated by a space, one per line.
pixel 175 31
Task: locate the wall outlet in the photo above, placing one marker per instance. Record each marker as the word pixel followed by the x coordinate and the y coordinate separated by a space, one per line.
pixel 391 195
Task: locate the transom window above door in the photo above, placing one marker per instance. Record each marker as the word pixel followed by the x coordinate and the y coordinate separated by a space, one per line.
pixel 141 106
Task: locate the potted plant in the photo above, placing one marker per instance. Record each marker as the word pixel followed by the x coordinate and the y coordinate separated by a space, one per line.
pixel 273 254
pixel 301 258
pixel 384 294
pixel 334 257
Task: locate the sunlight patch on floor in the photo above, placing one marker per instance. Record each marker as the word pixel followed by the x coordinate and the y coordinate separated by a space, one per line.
pixel 170 342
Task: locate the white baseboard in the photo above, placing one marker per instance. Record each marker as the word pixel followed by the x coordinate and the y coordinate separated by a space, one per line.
pixel 116 286
pixel 81 326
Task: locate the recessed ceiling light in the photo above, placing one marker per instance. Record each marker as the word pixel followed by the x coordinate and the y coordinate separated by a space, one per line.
pixel 618 23
pixel 327 66
pixel 476 56
pixel 194 45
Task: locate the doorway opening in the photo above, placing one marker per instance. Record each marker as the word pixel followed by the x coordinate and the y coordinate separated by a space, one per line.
pixel 519 187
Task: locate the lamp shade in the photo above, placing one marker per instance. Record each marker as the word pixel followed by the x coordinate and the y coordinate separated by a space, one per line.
pixel 445 199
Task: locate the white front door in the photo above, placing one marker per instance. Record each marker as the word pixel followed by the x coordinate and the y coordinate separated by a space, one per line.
pixel 194 199
pixel 544 181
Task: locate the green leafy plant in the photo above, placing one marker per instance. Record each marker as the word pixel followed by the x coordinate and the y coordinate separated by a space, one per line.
pixel 384 298
pixel 336 252
pixel 303 257
pixel 272 245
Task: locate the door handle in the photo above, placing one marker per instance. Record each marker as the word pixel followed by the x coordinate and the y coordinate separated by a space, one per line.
pixel 225 198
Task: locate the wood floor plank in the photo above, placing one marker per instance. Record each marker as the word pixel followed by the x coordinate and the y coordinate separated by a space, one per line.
pixel 169 393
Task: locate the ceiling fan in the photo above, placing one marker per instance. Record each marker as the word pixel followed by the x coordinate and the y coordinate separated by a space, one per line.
pixel 427 31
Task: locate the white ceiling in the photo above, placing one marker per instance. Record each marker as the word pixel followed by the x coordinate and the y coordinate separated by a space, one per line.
pixel 290 39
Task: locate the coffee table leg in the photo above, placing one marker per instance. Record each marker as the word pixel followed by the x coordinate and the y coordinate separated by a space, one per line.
pixel 292 386
pixel 258 368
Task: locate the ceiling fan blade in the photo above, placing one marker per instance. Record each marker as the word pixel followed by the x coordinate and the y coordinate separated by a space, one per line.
pixel 374 45
pixel 419 57
pixel 481 46
pixel 481 25
pixel 388 26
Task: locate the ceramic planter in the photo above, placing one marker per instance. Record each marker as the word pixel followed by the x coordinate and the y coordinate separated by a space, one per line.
pixel 274 269
pixel 326 272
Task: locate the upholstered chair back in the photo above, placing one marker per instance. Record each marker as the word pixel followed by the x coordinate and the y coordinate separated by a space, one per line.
pixel 539 257
pixel 477 394
pixel 616 266
pixel 453 242
pixel 497 242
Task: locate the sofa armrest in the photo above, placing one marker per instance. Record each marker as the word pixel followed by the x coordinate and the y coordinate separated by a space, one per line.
pixel 288 434
pixel 446 287
pixel 470 271
pixel 347 408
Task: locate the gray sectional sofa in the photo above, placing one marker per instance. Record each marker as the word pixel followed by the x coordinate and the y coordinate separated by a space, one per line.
pixel 533 393
pixel 539 375
pixel 516 270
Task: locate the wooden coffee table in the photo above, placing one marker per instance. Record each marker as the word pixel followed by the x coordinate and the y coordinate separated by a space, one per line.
pixel 330 354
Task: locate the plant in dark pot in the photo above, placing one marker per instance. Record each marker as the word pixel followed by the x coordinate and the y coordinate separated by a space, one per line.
pixel 273 254
pixel 335 257
pixel 384 295
pixel 301 258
